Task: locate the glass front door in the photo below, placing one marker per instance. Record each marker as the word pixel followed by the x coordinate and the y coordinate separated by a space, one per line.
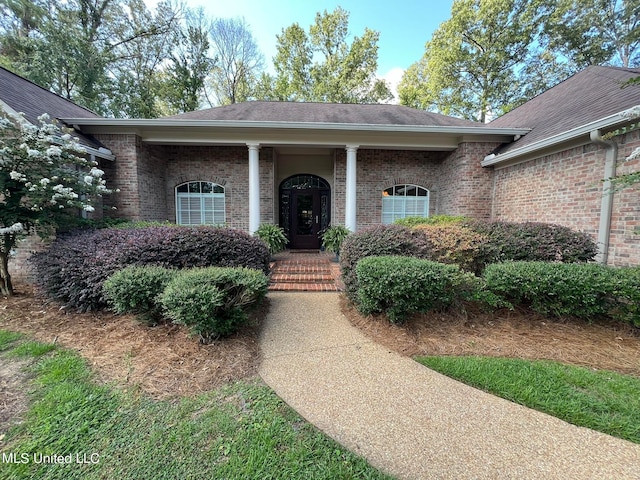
pixel 306 219
pixel 305 209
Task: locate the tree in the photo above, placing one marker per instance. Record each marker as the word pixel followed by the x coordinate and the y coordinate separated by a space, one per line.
pixel 322 66
pixel 141 55
pixel 470 65
pixel 191 63
pixel 592 32
pixel 85 50
pixel 239 61
pixel 45 178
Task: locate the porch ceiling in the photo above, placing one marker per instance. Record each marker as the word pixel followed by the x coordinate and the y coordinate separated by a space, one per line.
pixel 280 134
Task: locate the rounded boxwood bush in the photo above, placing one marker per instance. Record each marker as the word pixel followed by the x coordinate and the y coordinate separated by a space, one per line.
pixel 213 302
pixel 136 289
pixel 75 266
pixel 399 286
pixel 376 241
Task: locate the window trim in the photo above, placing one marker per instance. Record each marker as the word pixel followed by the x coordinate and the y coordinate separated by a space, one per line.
pixel 202 196
pixel 407 186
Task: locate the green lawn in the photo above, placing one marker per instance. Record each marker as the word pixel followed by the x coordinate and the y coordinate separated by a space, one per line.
pixel 601 400
pixel 241 431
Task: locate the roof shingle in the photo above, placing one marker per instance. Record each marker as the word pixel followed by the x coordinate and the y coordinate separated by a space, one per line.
pixel 299 112
pixel 589 95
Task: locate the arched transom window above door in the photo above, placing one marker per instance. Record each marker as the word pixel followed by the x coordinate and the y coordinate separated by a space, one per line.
pixel 404 200
pixel 200 203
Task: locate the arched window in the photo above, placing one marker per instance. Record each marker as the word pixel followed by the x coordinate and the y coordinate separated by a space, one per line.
pixel 200 203
pixel 402 201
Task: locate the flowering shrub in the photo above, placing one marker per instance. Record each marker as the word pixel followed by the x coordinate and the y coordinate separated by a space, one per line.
pixel 75 266
pixel 45 177
pixel 213 302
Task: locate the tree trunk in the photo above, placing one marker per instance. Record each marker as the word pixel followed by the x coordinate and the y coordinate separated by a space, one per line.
pixel 6 287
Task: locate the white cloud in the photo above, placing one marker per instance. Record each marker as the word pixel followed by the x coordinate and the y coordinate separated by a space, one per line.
pixel 393 77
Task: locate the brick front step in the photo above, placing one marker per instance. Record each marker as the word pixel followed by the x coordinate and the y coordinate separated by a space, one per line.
pixel 303 287
pixel 285 277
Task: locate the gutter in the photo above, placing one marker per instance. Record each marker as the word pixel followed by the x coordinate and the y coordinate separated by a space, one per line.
pixel 78 123
pixel 583 130
pixel 606 204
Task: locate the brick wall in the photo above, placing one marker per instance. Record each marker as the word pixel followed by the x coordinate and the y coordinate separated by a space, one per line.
pixel 123 174
pixel 378 170
pixel 227 166
pixel 566 188
pixel 465 186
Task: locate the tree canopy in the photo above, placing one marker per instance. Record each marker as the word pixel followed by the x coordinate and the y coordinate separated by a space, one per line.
pixel 493 55
pixel 115 57
pixel 322 66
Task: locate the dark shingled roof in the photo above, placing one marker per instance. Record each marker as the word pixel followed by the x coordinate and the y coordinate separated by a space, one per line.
pixel 25 96
pixel 589 95
pixel 299 112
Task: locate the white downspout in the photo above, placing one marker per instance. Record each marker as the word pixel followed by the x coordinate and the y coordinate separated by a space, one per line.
pixel 606 205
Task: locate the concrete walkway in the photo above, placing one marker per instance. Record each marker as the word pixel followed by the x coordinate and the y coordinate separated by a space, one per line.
pixel 414 423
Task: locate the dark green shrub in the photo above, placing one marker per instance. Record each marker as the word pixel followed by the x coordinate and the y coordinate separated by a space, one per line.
pixel 537 242
pixel 432 220
pixel 398 286
pixel 76 265
pixel 136 290
pixel 582 290
pixel 213 302
pixel 378 240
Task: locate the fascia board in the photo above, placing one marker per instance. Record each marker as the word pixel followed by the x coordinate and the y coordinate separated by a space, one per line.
pixel 138 124
pixel 556 140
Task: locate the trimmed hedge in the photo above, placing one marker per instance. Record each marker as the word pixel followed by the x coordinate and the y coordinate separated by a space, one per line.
pixel 213 302
pixel 532 241
pixel 75 266
pixel 432 220
pixel 399 286
pixel 582 290
pixel 375 241
pixel 136 290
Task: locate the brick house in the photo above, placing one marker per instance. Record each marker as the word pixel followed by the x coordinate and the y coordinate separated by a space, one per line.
pixel 304 166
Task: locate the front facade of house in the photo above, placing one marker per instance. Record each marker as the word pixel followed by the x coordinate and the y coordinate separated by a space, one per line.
pixel 303 176
pixel 307 166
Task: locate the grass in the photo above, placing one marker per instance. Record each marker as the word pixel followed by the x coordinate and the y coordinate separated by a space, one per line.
pixel 240 431
pixel 600 400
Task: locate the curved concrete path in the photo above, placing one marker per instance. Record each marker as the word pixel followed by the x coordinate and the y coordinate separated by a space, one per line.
pixel 412 422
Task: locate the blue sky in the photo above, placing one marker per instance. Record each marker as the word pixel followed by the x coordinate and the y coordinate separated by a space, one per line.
pixel 404 25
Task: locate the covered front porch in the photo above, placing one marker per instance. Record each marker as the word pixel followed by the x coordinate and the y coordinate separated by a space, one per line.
pixel 301 166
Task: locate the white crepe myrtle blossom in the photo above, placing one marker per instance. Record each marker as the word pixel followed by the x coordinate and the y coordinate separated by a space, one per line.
pixel 13 229
pixel 634 155
pixel 45 178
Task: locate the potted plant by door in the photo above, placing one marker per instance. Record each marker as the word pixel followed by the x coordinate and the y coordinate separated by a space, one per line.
pixel 273 236
pixel 333 237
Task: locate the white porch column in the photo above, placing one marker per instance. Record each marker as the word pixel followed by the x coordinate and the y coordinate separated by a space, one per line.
pixel 350 192
pixel 254 187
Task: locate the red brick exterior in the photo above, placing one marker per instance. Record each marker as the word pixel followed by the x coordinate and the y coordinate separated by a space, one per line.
pixel 563 188
pixel 465 187
pixel 566 188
